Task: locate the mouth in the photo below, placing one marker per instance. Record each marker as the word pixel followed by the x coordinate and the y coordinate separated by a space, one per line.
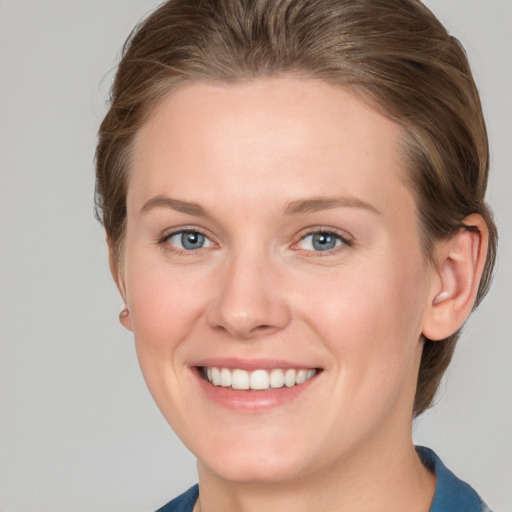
pixel 256 380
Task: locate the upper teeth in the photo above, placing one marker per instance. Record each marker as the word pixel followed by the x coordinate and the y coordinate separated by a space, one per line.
pixel 257 379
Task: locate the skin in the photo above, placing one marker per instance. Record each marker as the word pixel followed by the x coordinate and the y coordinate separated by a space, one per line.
pixel 247 154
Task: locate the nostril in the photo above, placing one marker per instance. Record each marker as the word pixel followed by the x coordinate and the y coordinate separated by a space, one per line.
pixel 262 327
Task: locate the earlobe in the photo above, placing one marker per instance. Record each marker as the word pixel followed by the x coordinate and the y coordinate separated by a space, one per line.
pixel 459 265
pixel 124 318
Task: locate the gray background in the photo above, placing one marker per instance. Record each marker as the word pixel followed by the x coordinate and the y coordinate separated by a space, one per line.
pixel 78 429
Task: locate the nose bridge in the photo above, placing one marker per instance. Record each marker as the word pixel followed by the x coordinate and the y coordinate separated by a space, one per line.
pixel 249 300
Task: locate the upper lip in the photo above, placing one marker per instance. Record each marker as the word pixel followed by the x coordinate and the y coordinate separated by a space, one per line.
pixel 251 364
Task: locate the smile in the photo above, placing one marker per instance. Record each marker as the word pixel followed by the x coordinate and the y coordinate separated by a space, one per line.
pixel 260 380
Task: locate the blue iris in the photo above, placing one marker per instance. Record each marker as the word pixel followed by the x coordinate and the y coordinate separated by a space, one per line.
pixel 191 240
pixel 323 241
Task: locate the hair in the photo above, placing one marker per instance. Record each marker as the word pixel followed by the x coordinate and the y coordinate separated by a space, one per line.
pixel 394 53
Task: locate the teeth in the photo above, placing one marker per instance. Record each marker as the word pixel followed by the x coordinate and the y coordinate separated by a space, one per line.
pixel 239 379
pixel 300 377
pixel 276 378
pixel 225 377
pixel 289 378
pixel 257 379
pixel 215 377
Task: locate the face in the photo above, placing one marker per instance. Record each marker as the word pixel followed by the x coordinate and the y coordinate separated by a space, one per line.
pixel 272 248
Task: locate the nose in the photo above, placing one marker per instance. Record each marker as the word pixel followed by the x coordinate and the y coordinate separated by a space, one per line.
pixel 250 301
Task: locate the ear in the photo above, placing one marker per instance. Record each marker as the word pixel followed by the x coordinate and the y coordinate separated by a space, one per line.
pixel 458 268
pixel 116 271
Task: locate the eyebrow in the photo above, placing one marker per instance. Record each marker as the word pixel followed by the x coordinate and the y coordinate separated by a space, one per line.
pixel 174 204
pixel 316 204
pixel 298 207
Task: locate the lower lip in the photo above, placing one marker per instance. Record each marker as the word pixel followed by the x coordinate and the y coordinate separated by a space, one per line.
pixel 252 400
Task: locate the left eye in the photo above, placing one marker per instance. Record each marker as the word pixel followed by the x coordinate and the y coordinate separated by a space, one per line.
pixel 189 240
pixel 321 241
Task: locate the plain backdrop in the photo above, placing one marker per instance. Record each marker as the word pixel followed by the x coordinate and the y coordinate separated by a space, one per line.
pixel 78 429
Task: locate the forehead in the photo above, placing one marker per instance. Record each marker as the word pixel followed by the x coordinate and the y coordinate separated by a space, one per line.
pixel 210 140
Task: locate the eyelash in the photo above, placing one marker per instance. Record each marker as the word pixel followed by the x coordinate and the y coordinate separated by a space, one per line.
pixel 163 241
pixel 343 238
pixel 345 241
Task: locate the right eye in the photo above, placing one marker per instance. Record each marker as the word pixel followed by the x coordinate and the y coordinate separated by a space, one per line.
pixel 321 241
pixel 188 240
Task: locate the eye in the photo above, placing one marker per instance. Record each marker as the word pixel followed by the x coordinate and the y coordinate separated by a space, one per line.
pixel 188 240
pixel 321 241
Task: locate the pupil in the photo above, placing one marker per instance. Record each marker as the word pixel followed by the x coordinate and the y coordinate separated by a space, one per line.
pixel 192 240
pixel 323 241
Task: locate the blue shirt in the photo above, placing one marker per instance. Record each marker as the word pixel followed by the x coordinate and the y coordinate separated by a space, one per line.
pixel 452 494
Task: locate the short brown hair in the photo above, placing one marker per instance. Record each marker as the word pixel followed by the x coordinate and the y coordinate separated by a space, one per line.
pixel 395 53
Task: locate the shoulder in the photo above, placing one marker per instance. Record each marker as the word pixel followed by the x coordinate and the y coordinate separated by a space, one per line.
pixel 183 503
pixel 452 494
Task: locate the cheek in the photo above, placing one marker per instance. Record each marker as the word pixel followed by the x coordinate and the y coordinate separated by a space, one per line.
pixel 165 306
pixel 370 317
pixel 165 303
pixel 365 300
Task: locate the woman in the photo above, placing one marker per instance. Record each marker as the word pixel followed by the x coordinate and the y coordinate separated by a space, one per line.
pixel 293 194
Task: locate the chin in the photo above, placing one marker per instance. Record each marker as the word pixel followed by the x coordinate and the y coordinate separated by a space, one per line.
pixel 247 462
pixel 248 470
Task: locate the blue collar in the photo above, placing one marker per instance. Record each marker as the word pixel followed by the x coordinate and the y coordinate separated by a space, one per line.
pixel 452 494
